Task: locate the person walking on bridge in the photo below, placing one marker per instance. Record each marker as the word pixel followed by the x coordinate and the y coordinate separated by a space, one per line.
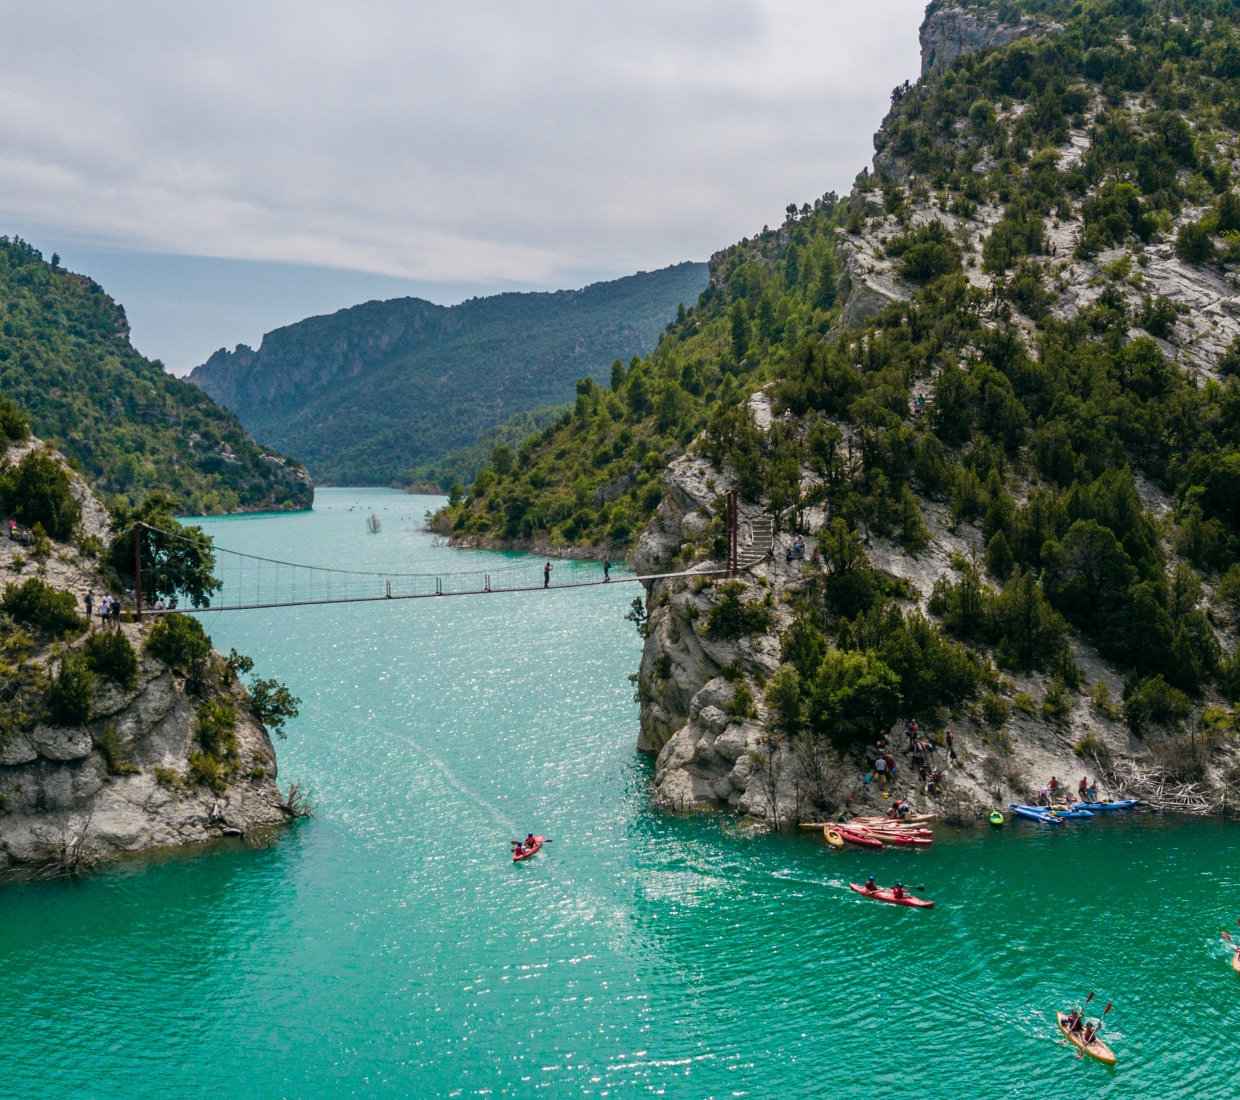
pixel 547 575
pixel 606 569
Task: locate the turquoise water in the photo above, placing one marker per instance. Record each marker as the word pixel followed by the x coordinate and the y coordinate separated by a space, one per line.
pixel 389 948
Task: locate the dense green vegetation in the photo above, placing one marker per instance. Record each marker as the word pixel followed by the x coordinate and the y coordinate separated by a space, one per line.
pixel 128 426
pixel 48 610
pixel 1041 443
pixel 593 476
pixel 461 467
pixel 372 394
pixel 37 492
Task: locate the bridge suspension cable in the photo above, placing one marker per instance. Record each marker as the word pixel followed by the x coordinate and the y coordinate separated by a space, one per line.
pixel 252 582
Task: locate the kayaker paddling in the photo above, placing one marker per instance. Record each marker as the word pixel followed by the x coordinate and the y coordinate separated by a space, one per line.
pixel 1083 1034
pixel 523 849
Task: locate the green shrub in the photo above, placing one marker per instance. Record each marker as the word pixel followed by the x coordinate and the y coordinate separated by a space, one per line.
pixel 1153 703
pixel 106 742
pixel 995 709
pixel 741 705
pixel 180 642
pixel 733 617
pixel 1193 244
pixel 1024 702
pixel 1158 315
pixel 1091 746
pixel 926 253
pixel 37 490
pixel 206 770
pixel 213 725
pixel 1229 678
pixel 43 607
pixel 1100 699
pixel 272 703
pixel 784 701
pixel 856 698
pixel 69 694
pixel 1057 703
pixel 1228 593
pixel 109 654
pixel 14 427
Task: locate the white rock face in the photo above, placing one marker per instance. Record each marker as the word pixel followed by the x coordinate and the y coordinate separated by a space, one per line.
pixel 949 32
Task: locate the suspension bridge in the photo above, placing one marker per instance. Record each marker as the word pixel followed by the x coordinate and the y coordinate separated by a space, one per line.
pixel 250 582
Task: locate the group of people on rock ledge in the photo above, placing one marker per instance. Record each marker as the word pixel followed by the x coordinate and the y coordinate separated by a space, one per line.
pixel 922 750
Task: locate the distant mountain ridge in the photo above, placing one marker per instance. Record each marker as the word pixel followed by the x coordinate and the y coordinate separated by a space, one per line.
pixel 127 425
pixel 366 393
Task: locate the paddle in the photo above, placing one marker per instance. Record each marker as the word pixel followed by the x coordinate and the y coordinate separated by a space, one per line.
pixel 1094 1036
pixel 1227 937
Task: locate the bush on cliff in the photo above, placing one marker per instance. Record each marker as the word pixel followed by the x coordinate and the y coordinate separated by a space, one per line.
pixel 214 726
pixel 733 617
pixel 109 654
pixel 14 427
pixel 38 490
pixel 70 692
pixel 45 608
pixel 181 643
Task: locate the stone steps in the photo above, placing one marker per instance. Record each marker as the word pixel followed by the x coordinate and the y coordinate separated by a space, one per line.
pixel 763 528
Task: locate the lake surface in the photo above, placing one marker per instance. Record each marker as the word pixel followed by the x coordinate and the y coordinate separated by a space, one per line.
pixel 389 948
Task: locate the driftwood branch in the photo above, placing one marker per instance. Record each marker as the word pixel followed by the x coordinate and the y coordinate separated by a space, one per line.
pixel 298 803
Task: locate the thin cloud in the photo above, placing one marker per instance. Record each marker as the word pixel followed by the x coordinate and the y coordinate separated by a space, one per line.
pixel 521 141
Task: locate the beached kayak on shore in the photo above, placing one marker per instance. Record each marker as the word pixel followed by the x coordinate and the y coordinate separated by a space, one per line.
pixel 1031 813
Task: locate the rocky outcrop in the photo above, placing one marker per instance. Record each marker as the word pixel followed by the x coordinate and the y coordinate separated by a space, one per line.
pixel 122 780
pixel 948 32
pixel 63 787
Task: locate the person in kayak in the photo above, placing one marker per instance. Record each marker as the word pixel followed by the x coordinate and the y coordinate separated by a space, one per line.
pixel 898 891
pixel 525 845
pixel 870 887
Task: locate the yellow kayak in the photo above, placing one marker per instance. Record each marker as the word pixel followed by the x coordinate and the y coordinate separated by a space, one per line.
pixel 1235 960
pixel 1097 1049
pixel 833 837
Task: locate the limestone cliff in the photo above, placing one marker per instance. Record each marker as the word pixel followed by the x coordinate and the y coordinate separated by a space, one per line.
pixel 710 750
pixel 948 32
pixel 122 780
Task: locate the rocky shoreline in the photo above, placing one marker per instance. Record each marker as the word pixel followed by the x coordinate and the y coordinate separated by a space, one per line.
pixel 122 781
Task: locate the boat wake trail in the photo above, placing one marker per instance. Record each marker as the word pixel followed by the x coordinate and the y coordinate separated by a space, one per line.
pixel 495 813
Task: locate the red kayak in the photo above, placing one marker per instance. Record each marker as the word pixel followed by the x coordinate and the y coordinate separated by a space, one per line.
pixel 519 853
pixel 888 896
pixel 855 837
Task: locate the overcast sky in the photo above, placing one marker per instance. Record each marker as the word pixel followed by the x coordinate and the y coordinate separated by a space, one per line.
pixel 352 150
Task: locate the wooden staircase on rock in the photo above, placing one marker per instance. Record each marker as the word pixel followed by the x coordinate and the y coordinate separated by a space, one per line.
pixel 763 528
